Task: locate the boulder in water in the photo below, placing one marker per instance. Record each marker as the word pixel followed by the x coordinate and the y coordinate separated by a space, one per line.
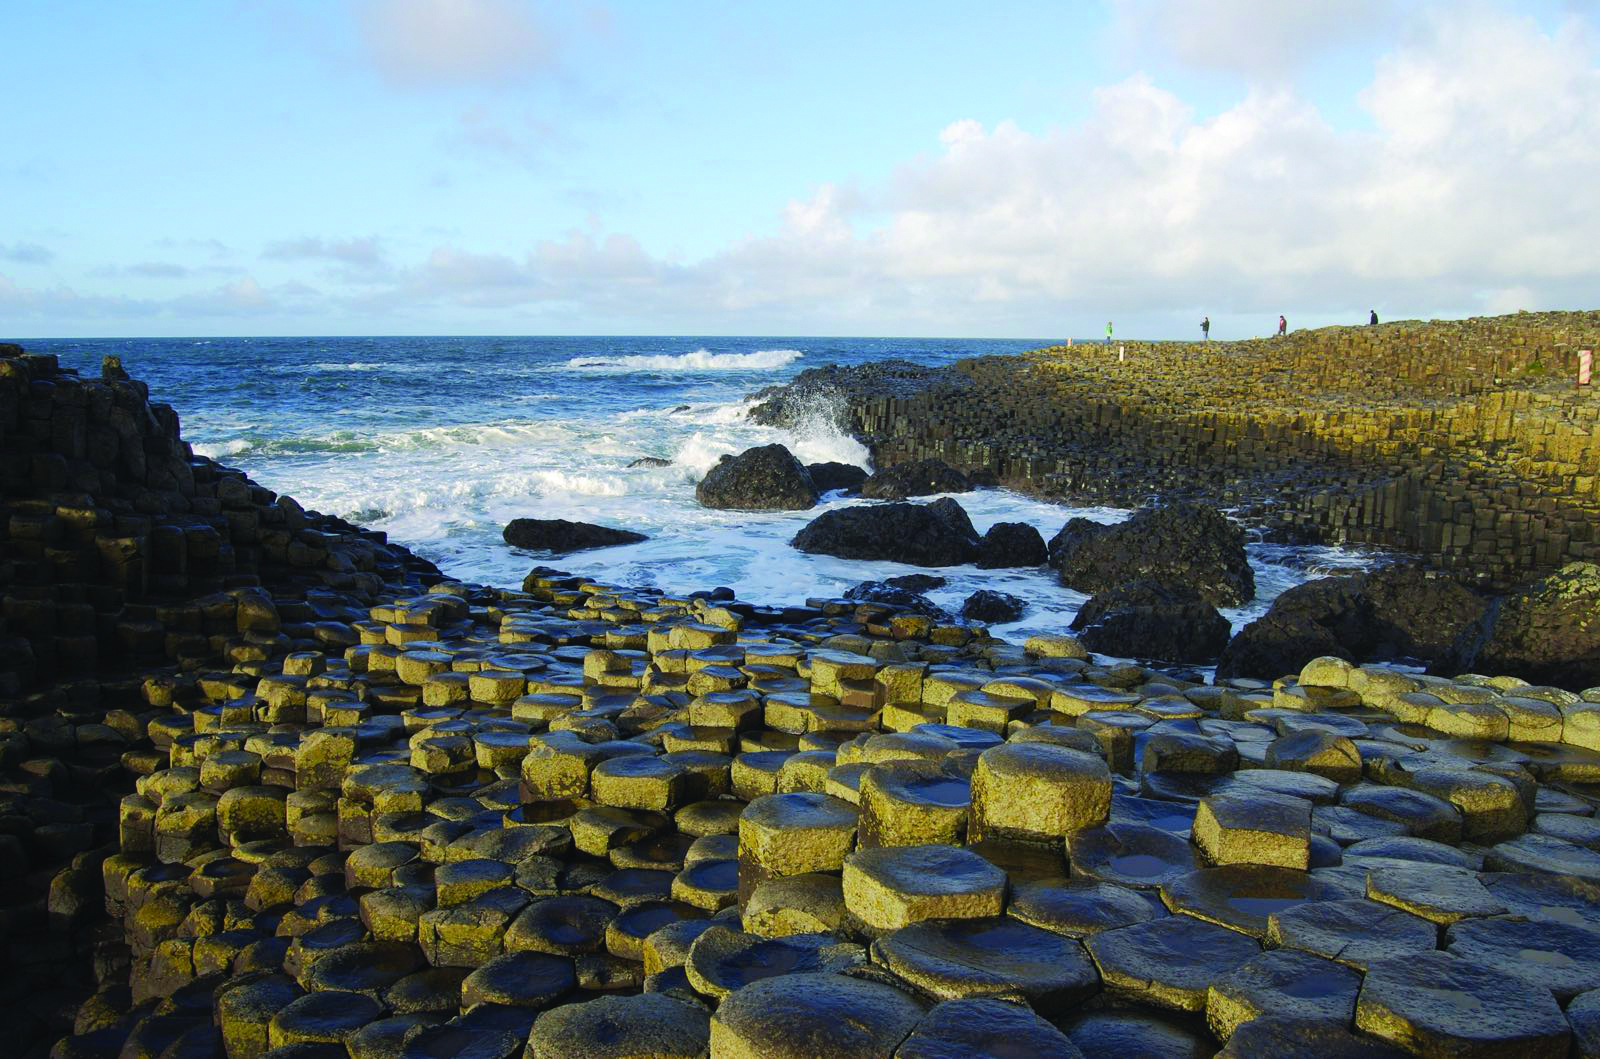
pixel 650 461
pixel 922 478
pixel 833 475
pixel 558 536
pixel 993 607
pixel 1009 544
pixel 1175 544
pixel 1143 619
pixel 765 478
pixel 937 534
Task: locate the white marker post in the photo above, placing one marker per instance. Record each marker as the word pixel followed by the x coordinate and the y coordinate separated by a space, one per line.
pixel 1585 364
pixel 1121 353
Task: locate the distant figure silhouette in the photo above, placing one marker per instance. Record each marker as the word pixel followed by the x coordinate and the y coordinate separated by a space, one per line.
pixel 1205 328
pixel 1373 320
pixel 1283 327
pixel 1108 332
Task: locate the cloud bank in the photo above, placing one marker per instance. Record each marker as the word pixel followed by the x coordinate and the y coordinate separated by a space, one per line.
pixel 1465 190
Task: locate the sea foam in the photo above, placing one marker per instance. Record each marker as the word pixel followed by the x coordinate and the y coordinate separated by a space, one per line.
pixel 699 360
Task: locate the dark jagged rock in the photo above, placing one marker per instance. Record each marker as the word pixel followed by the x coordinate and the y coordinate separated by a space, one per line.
pixel 1076 533
pixel 1176 544
pixel 917 582
pixel 1396 613
pixel 894 596
pixel 1547 632
pixel 833 475
pixel 918 534
pixel 559 536
pixel 1009 544
pixel 1149 620
pixel 820 392
pixel 922 478
pixel 650 461
pixel 993 607
pixel 955 516
pixel 765 478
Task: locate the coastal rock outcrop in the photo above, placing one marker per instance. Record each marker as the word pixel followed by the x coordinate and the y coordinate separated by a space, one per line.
pixel 764 478
pixel 820 393
pixel 922 478
pixel 1011 544
pixel 994 607
pixel 1178 544
pixel 892 595
pixel 1547 632
pixel 1395 613
pixel 937 534
pixel 1145 619
pixel 559 536
pixel 834 475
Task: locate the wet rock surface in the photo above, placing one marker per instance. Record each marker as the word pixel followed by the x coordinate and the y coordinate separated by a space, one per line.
pixel 1395 613
pixel 1544 632
pixel 1146 619
pixel 334 814
pixel 559 536
pixel 922 478
pixel 937 534
pixel 833 475
pixel 1185 545
pixel 765 478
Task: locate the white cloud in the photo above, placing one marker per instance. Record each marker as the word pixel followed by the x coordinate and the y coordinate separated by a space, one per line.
pixel 1260 41
pixel 420 42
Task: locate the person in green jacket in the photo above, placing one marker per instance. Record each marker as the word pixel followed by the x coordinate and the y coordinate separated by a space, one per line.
pixel 1108 332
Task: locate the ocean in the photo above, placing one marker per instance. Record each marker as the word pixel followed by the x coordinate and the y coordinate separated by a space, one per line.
pixel 441 441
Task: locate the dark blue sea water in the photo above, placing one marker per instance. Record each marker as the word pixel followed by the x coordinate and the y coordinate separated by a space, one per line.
pixel 441 441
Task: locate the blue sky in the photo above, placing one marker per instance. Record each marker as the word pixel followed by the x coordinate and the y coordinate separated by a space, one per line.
pixel 1007 169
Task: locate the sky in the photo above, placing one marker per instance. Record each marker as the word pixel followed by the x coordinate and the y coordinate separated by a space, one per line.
pixel 898 167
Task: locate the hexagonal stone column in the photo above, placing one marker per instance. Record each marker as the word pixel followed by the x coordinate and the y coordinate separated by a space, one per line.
pixel 614 1027
pixel 912 803
pixel 1233 829
pixel 792 834
pixel 1283 982
pixel 892 887
pixel 1434 1003
pixel 801 1016
pixel 1037 792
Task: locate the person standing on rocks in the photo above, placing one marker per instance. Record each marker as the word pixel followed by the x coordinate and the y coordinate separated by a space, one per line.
pixel 1372 321
pixel 1283 326
pixel 1108 332
pixel 1205 328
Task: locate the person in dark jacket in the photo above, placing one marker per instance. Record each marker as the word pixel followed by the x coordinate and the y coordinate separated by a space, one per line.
pixel 1372 321
pixel 1205 328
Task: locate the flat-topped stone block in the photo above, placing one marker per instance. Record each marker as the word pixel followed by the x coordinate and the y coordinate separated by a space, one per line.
pixel 1038 792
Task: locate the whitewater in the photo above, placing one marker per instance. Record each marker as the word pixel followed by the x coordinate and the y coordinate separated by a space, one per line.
pixel 440 442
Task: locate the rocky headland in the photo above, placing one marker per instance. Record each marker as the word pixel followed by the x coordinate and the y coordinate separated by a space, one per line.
pixel 1461 443
pixel 270 785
